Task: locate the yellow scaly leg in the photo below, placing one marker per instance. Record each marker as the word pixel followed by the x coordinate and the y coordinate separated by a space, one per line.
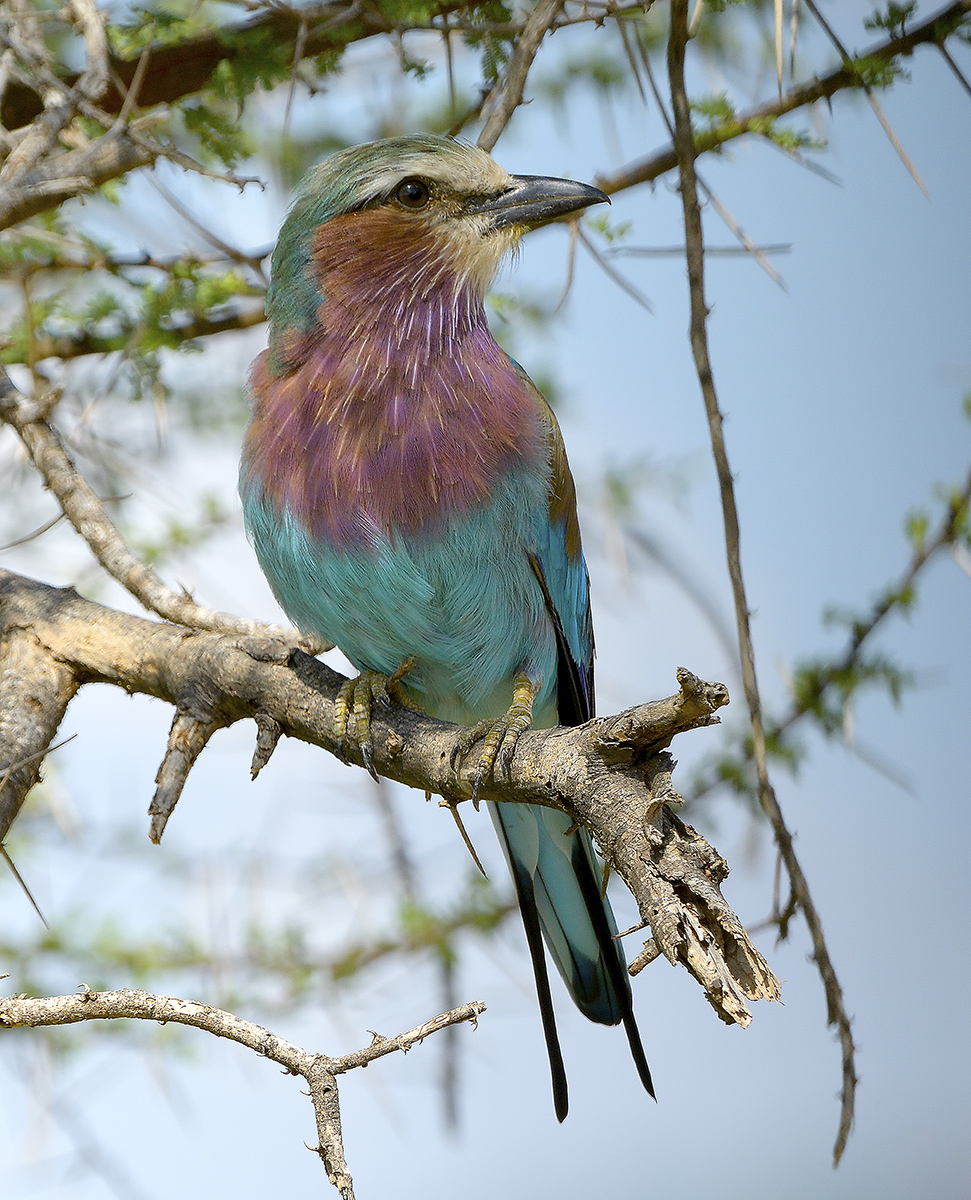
pixel 499 735
pixel 358 696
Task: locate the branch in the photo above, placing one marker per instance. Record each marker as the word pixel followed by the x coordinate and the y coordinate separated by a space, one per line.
pixel 933 31
pixel 695 255
pixel 319 1070
pixel 83 341
pixel 87 514
pixel 35 690
pixel 507 95
pixel 186 67
pixel 610 774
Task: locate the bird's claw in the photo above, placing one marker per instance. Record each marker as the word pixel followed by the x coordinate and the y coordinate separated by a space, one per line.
pixel 357 697
pixel 499 736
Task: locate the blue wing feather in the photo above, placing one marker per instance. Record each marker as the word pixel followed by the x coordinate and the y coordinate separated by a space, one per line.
pixel 540 843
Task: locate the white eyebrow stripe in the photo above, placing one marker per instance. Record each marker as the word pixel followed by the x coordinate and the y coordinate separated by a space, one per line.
pixel 468 175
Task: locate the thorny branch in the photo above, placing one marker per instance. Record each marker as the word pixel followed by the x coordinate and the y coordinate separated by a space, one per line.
pixel 695 253
pixel 39 174
pixel 952 527
pixel 319 1070
pixel 612 774
pixel 934 31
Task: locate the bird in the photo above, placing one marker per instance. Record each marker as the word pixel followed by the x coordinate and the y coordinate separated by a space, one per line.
pixel 407 492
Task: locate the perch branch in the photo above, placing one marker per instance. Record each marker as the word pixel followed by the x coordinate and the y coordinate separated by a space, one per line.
pixel 611 774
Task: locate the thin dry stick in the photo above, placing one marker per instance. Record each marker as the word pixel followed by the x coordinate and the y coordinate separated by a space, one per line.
pixel 508 95
pixel 624 284
pixel 694 240
pixel 295 67
pixel 955 68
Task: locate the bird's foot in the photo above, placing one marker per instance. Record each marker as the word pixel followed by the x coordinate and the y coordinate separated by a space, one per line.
pixel 499 736
pixel 357 698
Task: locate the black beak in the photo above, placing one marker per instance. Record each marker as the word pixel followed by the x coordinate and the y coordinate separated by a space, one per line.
pixel 534 200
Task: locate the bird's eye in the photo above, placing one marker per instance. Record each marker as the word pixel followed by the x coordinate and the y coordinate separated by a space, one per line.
pixel 413 194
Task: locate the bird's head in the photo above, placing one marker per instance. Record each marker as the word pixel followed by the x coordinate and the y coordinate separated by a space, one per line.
pixel 402 218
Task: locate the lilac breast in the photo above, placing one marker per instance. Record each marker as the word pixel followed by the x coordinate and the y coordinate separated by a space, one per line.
pixel 394 420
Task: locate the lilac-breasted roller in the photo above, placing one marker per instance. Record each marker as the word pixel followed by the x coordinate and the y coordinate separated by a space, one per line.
pixel 407 491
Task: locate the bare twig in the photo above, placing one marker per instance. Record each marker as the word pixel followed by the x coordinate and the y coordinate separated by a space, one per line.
pixel 679 251
pixel 22 882
pixel 319 1070
pixel 955 68
pixel 624 284
pixel 231 252
pixel 508 93
pixel 34 533
pixel 694 239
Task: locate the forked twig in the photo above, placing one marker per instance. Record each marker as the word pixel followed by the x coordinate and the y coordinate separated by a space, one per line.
pixel 319 1070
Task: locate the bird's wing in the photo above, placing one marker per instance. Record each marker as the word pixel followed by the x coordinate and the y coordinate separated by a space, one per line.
pixel 562 573
pixel 557 877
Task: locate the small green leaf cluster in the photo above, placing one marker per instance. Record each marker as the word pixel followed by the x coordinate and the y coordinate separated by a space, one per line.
pixel 791 140
pixel 494 48
pixel 876 72
pixel 733 766
pixel 892 19
pixel 167 24
pixel 261 59
pixel 717 108
pixel 822 688
pixel 219 134
pixel 611 232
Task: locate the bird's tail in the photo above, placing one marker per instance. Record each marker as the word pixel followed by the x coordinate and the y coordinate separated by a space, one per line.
pixel 559 891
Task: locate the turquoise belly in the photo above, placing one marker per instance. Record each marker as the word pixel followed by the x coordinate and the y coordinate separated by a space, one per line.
pixel 462 599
